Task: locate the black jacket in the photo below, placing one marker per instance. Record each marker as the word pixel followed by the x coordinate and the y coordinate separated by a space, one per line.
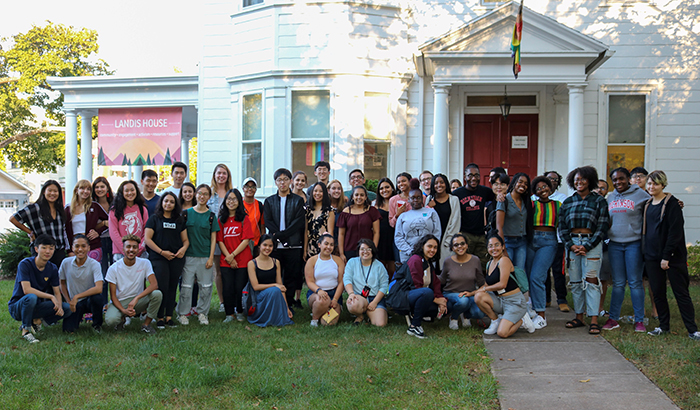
pixel 672 232
pixel 294 217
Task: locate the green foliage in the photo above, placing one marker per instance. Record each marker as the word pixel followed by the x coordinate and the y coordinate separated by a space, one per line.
pixel 694 261
pixel 371 184
pixel 192 171
pixel 14 246
pixel 50 50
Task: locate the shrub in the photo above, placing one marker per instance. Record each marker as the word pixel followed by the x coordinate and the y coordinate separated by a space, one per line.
pixel 14 246
pixel 694 261
pixel 371 185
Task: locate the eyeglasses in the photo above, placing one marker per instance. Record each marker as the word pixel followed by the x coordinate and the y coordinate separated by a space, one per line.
pixel 473 176
pixel 458 244
pixel 202 193
pixel 425 179
pixel 541 188
pixel 365 250
pixel 356 177
pixel 282 180
pixel 250 187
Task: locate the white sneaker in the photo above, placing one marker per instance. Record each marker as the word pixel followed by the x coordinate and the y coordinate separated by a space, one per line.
pixel 203 319
pixel 493 328
pixel 183 320
pixel 314 323
pixel 127 321
pixel 527 323
pixel 222 309
pixel 454 324
pixel 240 317
pixel 539 322
pixel 465 322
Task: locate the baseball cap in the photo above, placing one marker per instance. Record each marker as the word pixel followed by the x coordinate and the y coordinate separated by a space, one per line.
pixel 250 179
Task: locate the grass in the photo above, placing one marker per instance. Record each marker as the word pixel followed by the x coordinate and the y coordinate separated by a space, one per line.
pixel 671 361
pixel 242 366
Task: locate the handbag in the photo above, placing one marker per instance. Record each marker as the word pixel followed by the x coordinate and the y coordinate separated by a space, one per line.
pixel 397 298
pixel 250 300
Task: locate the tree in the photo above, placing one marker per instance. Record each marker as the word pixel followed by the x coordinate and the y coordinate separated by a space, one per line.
pixel 31 121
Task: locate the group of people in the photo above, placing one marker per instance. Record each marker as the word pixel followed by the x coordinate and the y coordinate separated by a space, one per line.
pixel 471 252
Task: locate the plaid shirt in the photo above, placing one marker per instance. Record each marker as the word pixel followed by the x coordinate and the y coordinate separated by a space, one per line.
pixel 590 212
pixel 30 216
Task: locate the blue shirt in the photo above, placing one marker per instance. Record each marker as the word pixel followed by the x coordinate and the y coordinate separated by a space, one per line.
pixel 151 204
pixel 43 281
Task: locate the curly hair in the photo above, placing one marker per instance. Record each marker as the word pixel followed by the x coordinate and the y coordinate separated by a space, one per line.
pixel 119 203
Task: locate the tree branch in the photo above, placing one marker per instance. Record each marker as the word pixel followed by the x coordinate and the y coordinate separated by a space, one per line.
pixel 24 135
pixel 5 80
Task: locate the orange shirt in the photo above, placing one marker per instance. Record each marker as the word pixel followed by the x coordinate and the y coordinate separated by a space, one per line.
pixel 254 216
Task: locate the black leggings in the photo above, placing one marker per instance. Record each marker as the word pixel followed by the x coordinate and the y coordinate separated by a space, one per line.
pixel 168 274
pixel 234 280
pixel 678 277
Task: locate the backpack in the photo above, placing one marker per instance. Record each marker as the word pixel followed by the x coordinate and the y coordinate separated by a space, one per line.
pixel 249 300
pixel 402 283
pixel 519 276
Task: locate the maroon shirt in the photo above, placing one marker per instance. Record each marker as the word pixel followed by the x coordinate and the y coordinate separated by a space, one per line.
pixel 416 265
pixel 358 227
pixel 94 214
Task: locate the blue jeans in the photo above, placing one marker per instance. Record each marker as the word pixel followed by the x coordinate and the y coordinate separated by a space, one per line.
pixel 456 306
pixel 627 267
pixel 421 302
pixel 91 304
pixel 580 268
pixel 517 250
pixel 540 255
pixel 30 307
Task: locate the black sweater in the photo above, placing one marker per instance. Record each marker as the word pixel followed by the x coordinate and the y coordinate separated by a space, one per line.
pixel 671 232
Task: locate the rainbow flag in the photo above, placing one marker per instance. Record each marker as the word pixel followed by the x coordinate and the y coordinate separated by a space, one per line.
pixel 315 151
pixel 515 42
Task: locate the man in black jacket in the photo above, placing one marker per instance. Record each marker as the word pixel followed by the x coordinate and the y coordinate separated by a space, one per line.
pixel 284 220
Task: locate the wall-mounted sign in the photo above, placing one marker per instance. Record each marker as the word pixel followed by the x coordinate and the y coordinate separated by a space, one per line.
pixel 518 142
pixel 139 136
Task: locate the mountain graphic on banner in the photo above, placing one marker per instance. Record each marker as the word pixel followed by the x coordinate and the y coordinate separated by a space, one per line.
pixel 158 159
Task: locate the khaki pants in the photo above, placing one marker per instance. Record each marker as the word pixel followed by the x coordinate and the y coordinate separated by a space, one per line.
pixel 149 302
pixel 477 246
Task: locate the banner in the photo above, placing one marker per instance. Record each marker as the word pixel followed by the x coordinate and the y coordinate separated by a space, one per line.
pixel 139 136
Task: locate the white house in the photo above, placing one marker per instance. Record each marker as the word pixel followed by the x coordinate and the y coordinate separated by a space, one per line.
pixel 413 85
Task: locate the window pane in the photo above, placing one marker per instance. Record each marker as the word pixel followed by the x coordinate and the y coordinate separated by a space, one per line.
pixel 311 115
pixel 376 160
pixel 626 119
pixel 251 161
pixel 378 119
pixel 306 154
pixel 629 156
pixel 247 3
pixel 252 117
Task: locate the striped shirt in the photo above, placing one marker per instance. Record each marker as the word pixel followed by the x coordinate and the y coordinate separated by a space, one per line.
pixel 545 213
pixel 590 212
pixel 30 216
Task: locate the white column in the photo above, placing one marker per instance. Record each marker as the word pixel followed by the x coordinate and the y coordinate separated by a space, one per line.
pixel 71 153
pixel 576 124
pixel 185 152
pixel 86 145
pixel 136 171
pixel 440 126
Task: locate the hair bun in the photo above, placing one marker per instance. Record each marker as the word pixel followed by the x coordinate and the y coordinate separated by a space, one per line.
pixel 414 184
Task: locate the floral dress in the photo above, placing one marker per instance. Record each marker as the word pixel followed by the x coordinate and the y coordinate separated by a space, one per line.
pixel 316 226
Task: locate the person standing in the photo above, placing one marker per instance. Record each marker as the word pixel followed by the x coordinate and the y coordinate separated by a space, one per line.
pixel 557 268
pixel 447 207
pixel 322 170
pixel 179 172
pixel 127 216
pixel 103 195
pixel 385 249
pixel 221 183
pixel 81 286
pixel 473 198
pixel 665 255
pixel 83 216
pixel 414 224
pixel 149 182
pixel 357 221
pixel 299 184
pixel 320 218
pixel 426 180
pixel 186 196
pixel 514 219
pixel 284 219
pixel 357 178
pixel 254 209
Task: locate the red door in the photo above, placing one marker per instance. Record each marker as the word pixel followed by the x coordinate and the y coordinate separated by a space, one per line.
pixel 490 141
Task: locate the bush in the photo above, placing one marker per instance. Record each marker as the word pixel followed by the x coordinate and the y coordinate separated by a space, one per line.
pixel 371 185
pixel 14 246
pixel 694 261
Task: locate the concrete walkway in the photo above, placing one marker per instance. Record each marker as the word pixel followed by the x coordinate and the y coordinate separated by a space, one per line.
pixel 568 369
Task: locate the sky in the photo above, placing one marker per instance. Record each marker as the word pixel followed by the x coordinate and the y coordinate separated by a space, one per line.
pixel 136 38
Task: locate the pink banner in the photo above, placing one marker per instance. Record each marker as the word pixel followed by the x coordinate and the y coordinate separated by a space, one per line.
pixel 139 136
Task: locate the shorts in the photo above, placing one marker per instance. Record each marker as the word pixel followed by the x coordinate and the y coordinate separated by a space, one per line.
pixel 512 307
pixel 380 305
pixel 331 294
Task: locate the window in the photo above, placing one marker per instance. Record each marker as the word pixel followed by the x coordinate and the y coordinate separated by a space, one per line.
pixel 252 136
pixel 626 131
pixel 8 203
pixel 311 129
pixel 247 3
pixel 379 128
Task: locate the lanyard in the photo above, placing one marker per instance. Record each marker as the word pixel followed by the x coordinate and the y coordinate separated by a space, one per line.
pixel 368 271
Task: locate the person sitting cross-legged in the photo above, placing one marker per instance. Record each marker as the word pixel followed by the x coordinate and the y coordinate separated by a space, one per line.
pixel 81 285
pixel 126 279
pixel 36 295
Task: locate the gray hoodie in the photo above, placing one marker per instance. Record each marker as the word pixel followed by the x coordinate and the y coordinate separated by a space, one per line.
pixel 625 210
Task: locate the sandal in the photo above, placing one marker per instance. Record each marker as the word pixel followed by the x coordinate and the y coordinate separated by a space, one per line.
pixel 358 321
pixel 572 324
pixel 594 329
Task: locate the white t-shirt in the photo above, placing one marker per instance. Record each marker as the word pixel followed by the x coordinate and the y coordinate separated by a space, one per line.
pixel 79 221
pixel 80 278
pixel 129 279
pixel 172 189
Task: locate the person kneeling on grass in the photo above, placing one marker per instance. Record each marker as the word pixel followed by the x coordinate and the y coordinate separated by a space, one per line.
pixel 367 276
pixel 81 285
pixel 324 278
pixel 126 279
pixel 501 294
pixel 36 294
pixel 426 299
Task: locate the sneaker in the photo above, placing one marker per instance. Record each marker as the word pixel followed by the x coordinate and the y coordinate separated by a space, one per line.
pixel 603 313
pixel 694 336
pixel 297 304
pixel 222 309
pixel 539 322
pixel 203 319
pixel 160 324
pixel 493 328
pixel 639 327
pixel 148 329
pixel 228 319
pixel 416 331
pixel 611 324
pixel 314 323
pixel 184 321
pixel 240 317
pixel 454 324
pixel 127 321
pixel 658 332
pixel 143 316
pixel 563 307
pixel 192 312
pixel 29 337
pixel 427 319
pixel 120 326
pixel 465 322
pixel 527 323
pixel 170 323
pixel 97 329
pixel 36 327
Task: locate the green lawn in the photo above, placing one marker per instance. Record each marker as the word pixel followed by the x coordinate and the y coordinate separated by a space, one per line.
pixel 671 361
pixel 242 366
